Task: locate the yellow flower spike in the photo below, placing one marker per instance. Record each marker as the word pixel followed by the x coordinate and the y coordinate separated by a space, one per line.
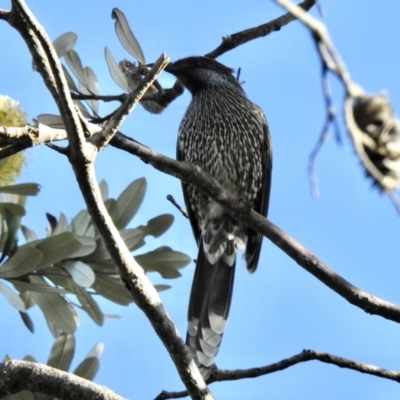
pixel 11 114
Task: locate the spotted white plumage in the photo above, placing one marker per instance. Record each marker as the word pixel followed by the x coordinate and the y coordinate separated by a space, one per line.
pixel 227 136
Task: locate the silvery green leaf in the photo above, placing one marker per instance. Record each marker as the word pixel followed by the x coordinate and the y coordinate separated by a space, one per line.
pixel 27 299
pixel 29 235
pixel 57 248
pixel 116 72
pixel 158 225
pixel 129 201
pixel 55 309
pixel 132 237
pixel 23 189
pixel 26 319
pixel 99 254
pixel 65 43
pixel 62 225
pixel 88 368
pixel 90 86
pixel 111 206
pixel 75 65
pixel 112 290
pixel 71 83
pixel 89 305
pixel 81 222
pixel 88 247
pixel 45 288
pixel 62 352
pixel 81 273
pixel 161 288
pixel 82 109
pixel 103 189
pixel 52 120
pixel 23 261
pixel 126 36
pixel 163 260
pixel 12 297
pixel 13 208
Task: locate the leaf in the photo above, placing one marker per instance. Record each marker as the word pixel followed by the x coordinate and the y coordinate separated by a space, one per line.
pixel 158 225
pixel 13 222
pixel 52 120
pixel 29 235
pixel 82 108
pixel 161 288
pixel 116 72
pixel 89 305
pixel 61 225
pixel 24 260
pixel 81 273
pixel 99 254
pixel 112 290
pixel 57 248
pixel 12 208
pixel 126 36
pixel 12 297
pixel 103 189
pixel 90 86
pixel 55 309
pixel 45 288
pixel 111 206
pixel 62 352
pixel 71 83
pixel 65 43
pixel 75 65
pixel 52 221
pixel 129 201
pixel 88 246
pixel 132 237
pixel 165 261
pixel 80 223
pixel 27 321
pixel 22 189
pixel 88 368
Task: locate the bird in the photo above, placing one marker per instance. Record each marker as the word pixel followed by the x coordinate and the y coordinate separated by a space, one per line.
pixel 227 135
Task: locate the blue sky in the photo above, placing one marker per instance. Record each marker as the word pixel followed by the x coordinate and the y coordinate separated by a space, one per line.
pixel 281 309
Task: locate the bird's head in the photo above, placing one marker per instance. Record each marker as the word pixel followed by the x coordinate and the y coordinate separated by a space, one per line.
pixel 198 73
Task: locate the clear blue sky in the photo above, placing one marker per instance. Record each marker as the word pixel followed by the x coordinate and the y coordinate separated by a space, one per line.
pixel 281 309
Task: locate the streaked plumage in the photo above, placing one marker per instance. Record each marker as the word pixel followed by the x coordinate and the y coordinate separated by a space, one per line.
pixel 227 136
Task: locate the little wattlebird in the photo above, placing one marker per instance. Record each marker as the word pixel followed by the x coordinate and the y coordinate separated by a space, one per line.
pixel 227 135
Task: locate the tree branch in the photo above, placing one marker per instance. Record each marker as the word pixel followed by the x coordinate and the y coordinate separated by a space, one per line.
pixel 81 156
pixel 192 174
pixel 221 375
pixel 239 38
pixel 16 376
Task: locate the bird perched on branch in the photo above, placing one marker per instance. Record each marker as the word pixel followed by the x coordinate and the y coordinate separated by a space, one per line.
pixel 227 135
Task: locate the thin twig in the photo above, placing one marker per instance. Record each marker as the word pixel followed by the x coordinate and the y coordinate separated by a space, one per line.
pixel 102 139
pixel 242 37
pixel 171 199
pixel 219 375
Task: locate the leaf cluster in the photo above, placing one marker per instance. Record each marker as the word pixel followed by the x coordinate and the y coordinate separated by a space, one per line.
pixel 72 261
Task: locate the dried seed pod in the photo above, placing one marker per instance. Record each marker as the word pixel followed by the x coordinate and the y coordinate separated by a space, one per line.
pixel 375 118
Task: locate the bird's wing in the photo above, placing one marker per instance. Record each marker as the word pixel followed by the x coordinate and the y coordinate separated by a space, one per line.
pixel 190 212
pixel 254 240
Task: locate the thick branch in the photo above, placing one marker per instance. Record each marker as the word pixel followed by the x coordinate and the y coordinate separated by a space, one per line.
pixel 16 376
pixel 192 174
pixel 239 38
pixel 81 156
